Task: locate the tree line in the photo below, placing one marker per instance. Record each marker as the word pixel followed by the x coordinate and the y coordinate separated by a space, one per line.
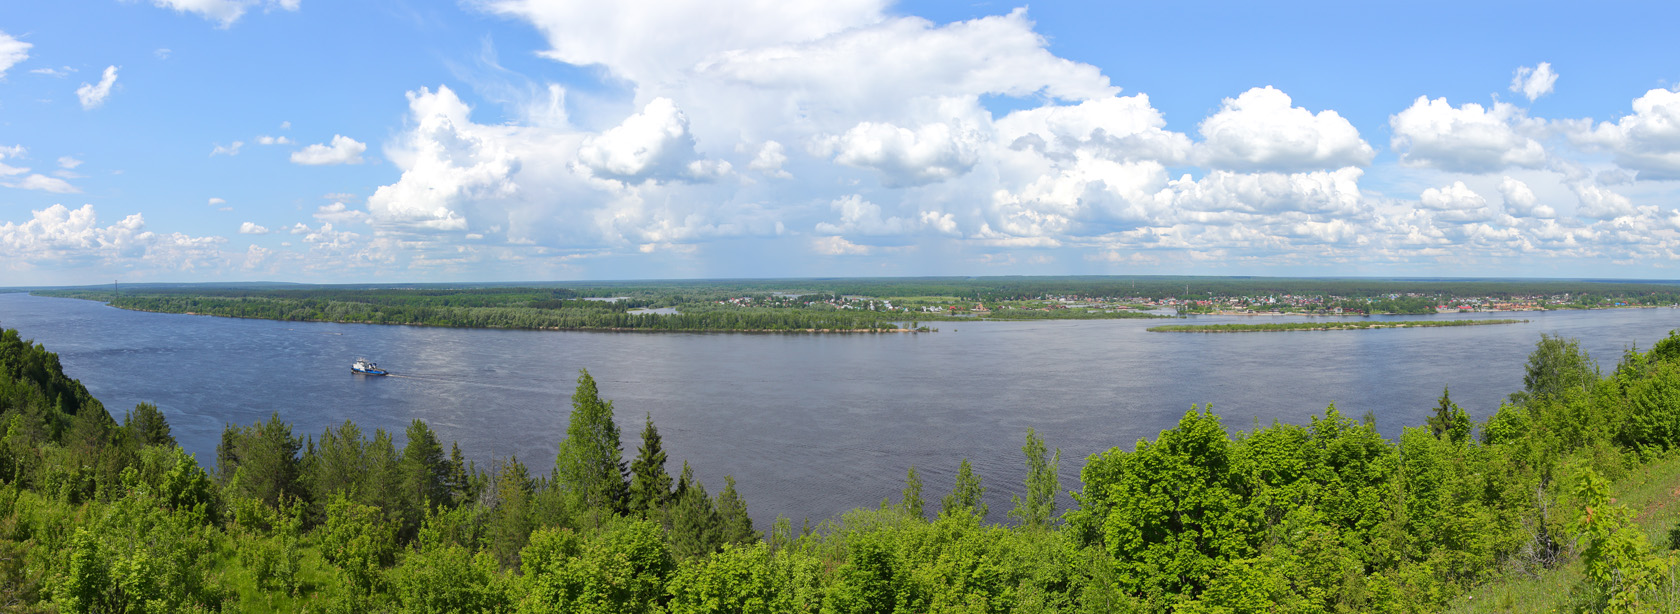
pixel 98 515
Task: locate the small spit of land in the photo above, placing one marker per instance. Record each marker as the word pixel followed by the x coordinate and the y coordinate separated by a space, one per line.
pixel 862 305
pixel 1275 327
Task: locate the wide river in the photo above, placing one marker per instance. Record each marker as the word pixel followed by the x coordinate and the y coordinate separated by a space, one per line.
pixel 809 425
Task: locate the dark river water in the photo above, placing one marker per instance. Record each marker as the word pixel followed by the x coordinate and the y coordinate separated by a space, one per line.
pixel 809 425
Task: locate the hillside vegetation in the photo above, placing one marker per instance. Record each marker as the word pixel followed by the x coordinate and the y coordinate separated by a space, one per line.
pixel 1564 499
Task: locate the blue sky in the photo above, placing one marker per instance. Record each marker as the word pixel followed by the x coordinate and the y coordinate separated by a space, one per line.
pixel 502 140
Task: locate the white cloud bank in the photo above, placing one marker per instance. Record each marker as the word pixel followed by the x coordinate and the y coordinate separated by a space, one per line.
pixel 842 130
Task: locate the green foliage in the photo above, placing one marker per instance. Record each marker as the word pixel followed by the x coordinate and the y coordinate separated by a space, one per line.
pixel 425 472
pixel 148 426
pixel 624 568
pixel 590 461
pixel 356 539
pixel 650 484
pixel 966 494
pixel 911 500
pixel 443 576
pixel 869 582
pixel 693 523
pixel 136 556
pixel 263 461
pixel 1622 570
pixel 734 526
pixel 738 579
pixel 1037 509
pixel 1556 367
pixel 512 513
pixel 1449 420
pixel 1176 514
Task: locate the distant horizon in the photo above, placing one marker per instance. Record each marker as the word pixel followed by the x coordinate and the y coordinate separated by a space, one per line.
pixel 533 283
pixel 455 142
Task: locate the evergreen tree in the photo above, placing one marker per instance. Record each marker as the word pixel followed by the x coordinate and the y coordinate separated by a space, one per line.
pixel 459 481
pixel 966 494
pixel 693 522
pixel 1449 420
pixel 735 526
pixel 339 464
pixel 384 485
pixel 425 473
pixel 227 450
pixel 1042 484
pixel 510 512
pixel 590 464
pixel 650 484
pixel 912 501
pixel 148 426
pixel 266 457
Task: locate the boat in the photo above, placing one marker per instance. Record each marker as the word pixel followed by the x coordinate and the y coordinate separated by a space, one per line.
pixel 367 367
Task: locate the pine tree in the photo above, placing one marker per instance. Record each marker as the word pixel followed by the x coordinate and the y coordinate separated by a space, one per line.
pixel 966 495
pixel 148 426
pixel 590 462
pixel 735 526
pixel 650 484
pixel 912 501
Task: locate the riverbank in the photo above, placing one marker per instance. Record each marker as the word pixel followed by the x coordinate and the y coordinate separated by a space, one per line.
pixel 1311 326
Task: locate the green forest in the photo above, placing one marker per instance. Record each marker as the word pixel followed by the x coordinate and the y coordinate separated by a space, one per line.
pixel 1560 501
pixel 858 305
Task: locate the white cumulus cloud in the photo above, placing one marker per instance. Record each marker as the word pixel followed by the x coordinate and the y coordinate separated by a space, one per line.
pixel 1468 139
pixel 251 228
pixel 343 150
pixel 1261 130
pixel 227 150
pixel 93 95
pixel 1648 141
pixel 1123 128
pixel 644 41
pixel 1535 81
pixel 1456 203
pixel 770 159
pixel 1520 200
pixel 653 144
pixel 861 217
pixel 273 140
pixel 905 157
pixel 12 52
pixel 60 237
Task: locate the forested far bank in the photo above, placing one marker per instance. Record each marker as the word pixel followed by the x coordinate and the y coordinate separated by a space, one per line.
pixel 108 515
